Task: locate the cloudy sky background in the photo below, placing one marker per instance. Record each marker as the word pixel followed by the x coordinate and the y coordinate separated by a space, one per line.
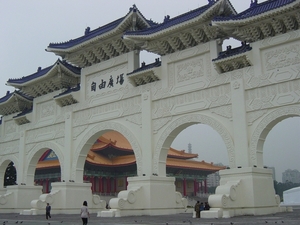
pixel 27 28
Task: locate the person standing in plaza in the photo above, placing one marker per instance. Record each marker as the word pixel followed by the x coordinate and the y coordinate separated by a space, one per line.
pixel 197 209
pixel 48 210
pixel 84 213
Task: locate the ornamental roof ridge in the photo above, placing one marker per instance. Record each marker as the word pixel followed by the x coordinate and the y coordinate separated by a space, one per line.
pixel 24 112
pixel 88 35
pixel 41 72
pixel 16 93
pixel 255 9
pixel 69 90
pixel 168 22
pixel 143 67
pixel 233 51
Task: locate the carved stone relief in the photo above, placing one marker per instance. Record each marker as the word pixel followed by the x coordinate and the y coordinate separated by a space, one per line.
pixel 280 57
pixel 211 97
pixel 46 133
pixel 121 108
pixel 45 109
pixel 273 96
pixel 9 147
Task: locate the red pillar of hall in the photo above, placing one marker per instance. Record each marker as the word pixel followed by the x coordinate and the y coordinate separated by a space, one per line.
pixel 108 185
pixel 100 185
pixel 184 187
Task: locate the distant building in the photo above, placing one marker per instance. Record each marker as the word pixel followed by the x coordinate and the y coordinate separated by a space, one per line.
pixel 291 176
pixel 213 180
pixel 273 170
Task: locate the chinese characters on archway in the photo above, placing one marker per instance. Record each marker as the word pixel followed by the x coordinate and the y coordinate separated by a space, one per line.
pixel 110 83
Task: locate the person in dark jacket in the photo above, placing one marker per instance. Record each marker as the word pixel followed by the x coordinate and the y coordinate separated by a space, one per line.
pixel 48 210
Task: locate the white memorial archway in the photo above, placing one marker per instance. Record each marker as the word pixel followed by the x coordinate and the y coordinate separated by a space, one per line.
pixel 99 86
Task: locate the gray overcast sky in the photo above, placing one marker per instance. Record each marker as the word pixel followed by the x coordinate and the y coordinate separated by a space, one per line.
pixel 27 27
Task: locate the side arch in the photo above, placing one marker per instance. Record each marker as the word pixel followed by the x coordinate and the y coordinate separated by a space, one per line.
pixel 264 127
pixel 88 139
pixel 176 127
pixel 4 161
pixel 35 154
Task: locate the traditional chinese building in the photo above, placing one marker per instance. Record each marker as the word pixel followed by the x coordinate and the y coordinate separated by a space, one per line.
pixel 111 160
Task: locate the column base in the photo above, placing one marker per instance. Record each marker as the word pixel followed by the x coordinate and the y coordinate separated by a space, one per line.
pixel 18 197
pixel 147 196
pixel 66 198
pixel 243 191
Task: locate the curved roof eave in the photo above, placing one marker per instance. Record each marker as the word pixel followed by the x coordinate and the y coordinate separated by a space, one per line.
pixel 233 22
pixel 161 31
pixel 114 30
pixel 10 97
pixel 33 78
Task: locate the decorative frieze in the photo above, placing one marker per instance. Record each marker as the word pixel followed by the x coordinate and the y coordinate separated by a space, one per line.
pixel 45 133
pixel 108 111
pixel 10 147
pixel 280 57
pixel 273 96
pixel 211 97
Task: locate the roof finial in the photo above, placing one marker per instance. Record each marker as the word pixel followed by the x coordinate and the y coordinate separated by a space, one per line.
pixel 167 17
pixel 134 8
pixel 253 3
pixel 39 69
pixel 87 30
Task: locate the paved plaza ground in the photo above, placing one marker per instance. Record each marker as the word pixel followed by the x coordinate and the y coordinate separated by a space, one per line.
pixel 290 218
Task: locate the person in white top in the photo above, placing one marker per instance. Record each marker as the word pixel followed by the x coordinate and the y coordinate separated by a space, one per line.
pixel 84 213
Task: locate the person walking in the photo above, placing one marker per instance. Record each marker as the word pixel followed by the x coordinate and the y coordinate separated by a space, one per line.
pixel 84 213
pixel 48 210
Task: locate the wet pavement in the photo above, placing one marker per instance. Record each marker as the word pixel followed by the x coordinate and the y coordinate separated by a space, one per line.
pixel 289 218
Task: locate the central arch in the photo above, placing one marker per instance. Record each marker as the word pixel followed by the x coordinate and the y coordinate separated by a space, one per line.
pixel 167 137
pixel 264 127
pixel 88 140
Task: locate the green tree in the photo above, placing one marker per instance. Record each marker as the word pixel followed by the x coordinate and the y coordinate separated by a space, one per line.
pixel 10 175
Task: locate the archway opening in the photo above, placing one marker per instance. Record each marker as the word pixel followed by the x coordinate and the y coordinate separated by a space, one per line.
pixel 109 161
pixel 46 169
pixel 10 175
pixel 281 153
pixel 200 179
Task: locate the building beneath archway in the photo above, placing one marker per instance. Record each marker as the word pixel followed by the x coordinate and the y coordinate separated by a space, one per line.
pixel 98 86
pixel 111 160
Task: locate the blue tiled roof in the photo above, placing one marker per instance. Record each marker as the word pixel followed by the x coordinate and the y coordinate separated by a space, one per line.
pixel 233 51
pixel 168 22
pixel 42 72
pixel 157 63
pixel 69 90
pixel 9 95
pixel 256 9
pixel 24 112
pixel 97 32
